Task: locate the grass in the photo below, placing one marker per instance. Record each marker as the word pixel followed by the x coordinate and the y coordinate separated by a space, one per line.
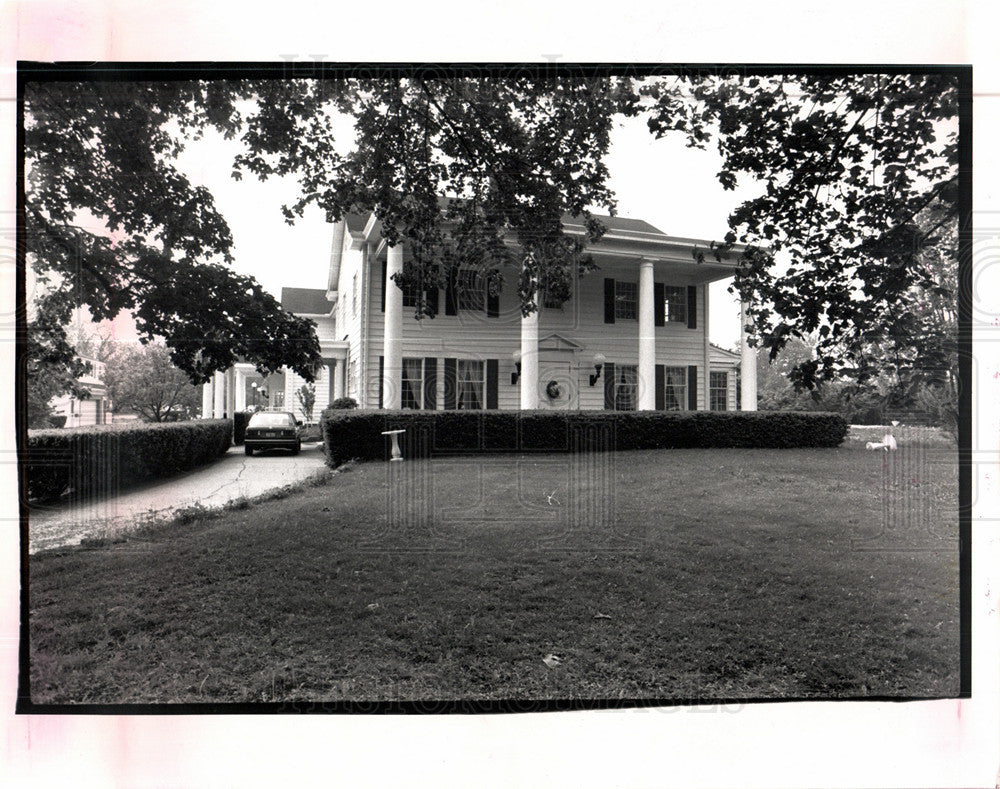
pixel 723 574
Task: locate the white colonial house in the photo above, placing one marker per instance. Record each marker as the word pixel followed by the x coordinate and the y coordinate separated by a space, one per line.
pixel 634 334
pixel 92 410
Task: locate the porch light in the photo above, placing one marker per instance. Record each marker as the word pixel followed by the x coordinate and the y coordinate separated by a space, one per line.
pixel 598 365
pixel 516 375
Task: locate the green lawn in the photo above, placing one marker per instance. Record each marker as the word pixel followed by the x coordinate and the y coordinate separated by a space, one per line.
pixel 716 574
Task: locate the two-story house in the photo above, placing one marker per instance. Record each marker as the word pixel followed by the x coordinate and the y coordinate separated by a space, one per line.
pixel 633 335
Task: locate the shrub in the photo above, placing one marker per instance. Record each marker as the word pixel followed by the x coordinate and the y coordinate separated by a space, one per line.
pixel 240 419
pixel 344 402
pixel 358 434
pixel 105 458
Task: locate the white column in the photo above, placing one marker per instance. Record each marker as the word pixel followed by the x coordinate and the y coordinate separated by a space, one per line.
pixel 230 392
pixel 707 377
pixel 392 370
pixel 748 367
pixel 339 377
pixel 241 391
pixel 529 359
pixel 207 398
pixel 647 338
pixel 219 391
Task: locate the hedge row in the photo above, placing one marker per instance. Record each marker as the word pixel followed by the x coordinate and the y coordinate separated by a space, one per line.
pixel 358 434
pixel 105 458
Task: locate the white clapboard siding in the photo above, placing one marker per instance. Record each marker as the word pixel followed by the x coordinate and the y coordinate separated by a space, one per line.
pixel 476 336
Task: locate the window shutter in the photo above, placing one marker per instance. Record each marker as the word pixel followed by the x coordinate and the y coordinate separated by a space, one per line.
pixel 451 294
pixel 381 378
pixel 692 307
pixel 492 379
pixel 383 285
pixel 693 388
pixel 658 305
pixel 609 300
pixel 432 300
pixel 450 384
pixel 430 383
pixel 609 385
pixel 492 304
pixel 661 387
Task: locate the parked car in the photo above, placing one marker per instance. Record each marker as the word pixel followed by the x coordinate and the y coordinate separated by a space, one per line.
pixel 272 430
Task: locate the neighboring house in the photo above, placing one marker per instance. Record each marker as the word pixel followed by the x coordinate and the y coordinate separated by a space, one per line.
pixel 93 410
pixel 633 335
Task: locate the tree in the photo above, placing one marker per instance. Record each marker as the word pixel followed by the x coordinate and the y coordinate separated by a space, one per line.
pixel 306 395
pixel 143 379
pixel 112 224
pixel 859 177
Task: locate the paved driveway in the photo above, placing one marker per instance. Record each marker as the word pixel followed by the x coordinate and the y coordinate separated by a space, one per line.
pixel 232 477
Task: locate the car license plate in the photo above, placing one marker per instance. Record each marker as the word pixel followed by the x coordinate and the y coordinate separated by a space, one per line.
pixel 270 434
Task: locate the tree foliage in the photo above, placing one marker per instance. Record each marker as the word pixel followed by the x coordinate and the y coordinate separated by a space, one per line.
pixel 143 379
pixel 112 223
pixel 850 169
pixel 456 167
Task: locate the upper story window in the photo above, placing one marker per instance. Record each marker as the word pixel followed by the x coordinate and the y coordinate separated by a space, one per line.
pixel 675 304
pixel 471 286
pixel 626 300
pixel 354 296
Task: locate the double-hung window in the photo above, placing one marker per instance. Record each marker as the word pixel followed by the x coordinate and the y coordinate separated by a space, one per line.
pixel 718 391
pixel 675 304
pixel 413 383
pixel 676 384
pixel 471 376
pixel 626 387
pixel 626 301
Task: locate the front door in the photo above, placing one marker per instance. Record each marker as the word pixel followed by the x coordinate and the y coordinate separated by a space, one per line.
pixel 557 386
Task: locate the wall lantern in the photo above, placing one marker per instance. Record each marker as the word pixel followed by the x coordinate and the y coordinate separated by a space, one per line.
pixel 598 365
pixel 514 376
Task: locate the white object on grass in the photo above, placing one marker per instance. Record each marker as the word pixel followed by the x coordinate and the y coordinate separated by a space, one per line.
pixel 396 454
pixel 552 660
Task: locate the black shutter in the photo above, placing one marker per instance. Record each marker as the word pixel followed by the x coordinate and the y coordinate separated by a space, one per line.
pixel 492 379
pixel 658 305
pixel 609 300
pixel 381 378
pixel 383 285
pixel 450 384
pixel 451 294
pixel 661 387
pixel 693 387
pixel 609 385
pixel 430 383
pixel 492 304
pixel 432 300
pixel 692 307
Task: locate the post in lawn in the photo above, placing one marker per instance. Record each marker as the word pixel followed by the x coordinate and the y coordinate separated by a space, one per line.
pixel 396 454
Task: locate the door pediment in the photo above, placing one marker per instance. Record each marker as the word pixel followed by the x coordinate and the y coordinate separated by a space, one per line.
pixel 556 342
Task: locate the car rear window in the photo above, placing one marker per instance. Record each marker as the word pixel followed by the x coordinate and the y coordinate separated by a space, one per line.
pixel 271 420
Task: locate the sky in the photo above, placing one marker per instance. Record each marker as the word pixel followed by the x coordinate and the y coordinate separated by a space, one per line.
pixel 669 185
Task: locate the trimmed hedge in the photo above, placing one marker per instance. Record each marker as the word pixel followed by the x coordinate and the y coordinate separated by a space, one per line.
pixel 105 458
pixel 358 434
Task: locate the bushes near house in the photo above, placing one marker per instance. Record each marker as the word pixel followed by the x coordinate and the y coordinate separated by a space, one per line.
pixel 358 434
pixel 105 458
pixel 344 402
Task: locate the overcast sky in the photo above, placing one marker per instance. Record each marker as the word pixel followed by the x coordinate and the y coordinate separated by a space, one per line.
pixel 669 185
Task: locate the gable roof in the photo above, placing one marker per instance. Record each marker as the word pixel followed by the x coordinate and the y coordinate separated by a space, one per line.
pixel 305 301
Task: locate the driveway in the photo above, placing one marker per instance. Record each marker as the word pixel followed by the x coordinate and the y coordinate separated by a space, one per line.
pixel 232 477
